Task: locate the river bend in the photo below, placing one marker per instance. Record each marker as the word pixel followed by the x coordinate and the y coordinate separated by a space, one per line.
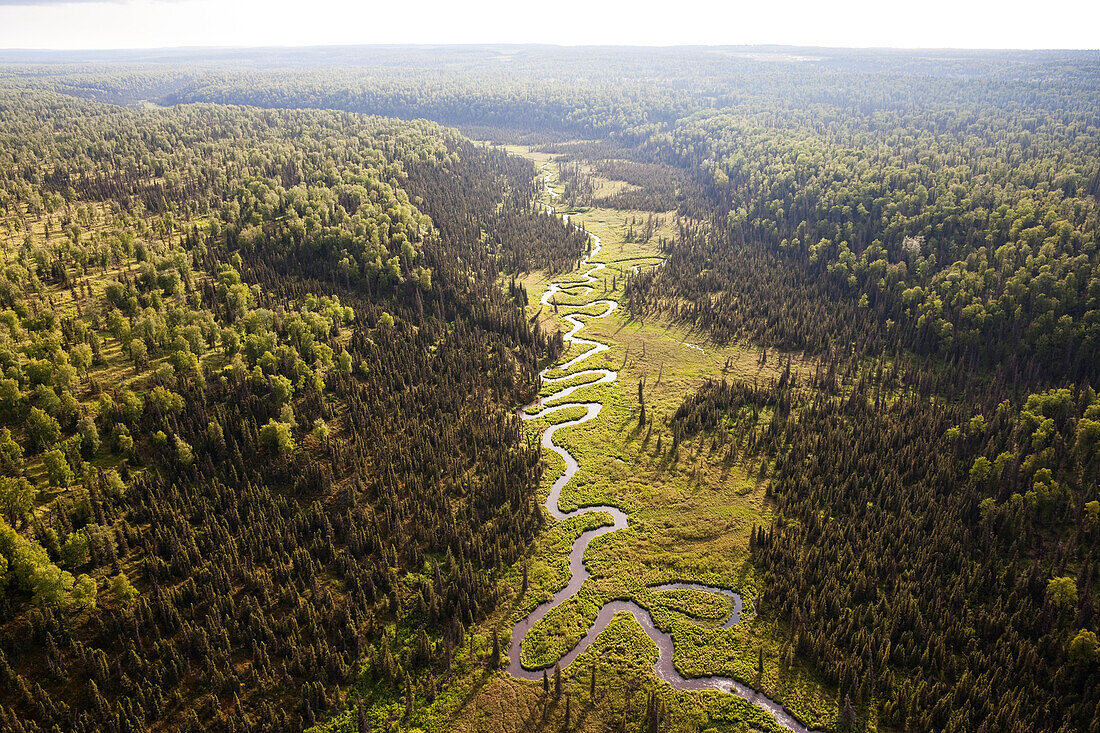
pixel 578 572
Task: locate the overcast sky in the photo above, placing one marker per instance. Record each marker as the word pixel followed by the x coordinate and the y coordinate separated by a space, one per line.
pixel 915 24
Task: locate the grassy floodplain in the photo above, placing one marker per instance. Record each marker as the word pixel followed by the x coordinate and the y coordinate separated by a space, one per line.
pixel 690 519
pixel 691 516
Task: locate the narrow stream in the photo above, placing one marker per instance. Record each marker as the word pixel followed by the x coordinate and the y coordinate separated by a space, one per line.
pixel 578 573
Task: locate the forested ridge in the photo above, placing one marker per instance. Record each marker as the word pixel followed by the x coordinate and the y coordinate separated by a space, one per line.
pixel 321 289
pixel 975 236
pixel 954 199
pixel 951 197
pixel 258 379
pixel 936 558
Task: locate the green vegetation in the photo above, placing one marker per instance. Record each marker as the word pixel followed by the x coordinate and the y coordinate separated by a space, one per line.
pixel 256 415
pixel 689 519
pixel 260 463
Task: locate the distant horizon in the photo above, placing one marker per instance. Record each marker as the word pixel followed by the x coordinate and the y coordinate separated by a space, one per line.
pixel 198 49
pixel 157 25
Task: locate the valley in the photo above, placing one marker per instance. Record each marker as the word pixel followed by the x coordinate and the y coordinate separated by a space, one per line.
pixel 419 389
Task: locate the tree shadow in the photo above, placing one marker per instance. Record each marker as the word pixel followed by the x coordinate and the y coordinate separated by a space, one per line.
pixel 479 684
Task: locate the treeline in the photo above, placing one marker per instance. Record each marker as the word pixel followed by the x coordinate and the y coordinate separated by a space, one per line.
pixel 594 92
pixel 971 233
pixel 934 558
pixel 949 204
pixel 953 201
pixel 519 232
pixel 736 290
pixel 656 187
pixel 258 406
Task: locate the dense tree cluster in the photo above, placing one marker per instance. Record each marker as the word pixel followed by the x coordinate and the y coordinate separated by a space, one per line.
pixel 257 389
pixel 934 557
pixel 735 289
pixel 951 200
pixel 943 560
pixel 975 231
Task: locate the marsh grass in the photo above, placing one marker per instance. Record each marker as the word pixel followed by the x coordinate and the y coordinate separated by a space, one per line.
pixel 691 516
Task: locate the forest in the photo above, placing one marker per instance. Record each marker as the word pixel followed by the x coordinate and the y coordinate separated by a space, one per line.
pixel 266 326
pixel 257 405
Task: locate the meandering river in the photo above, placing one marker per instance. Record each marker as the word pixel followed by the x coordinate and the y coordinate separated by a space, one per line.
pixel 578 573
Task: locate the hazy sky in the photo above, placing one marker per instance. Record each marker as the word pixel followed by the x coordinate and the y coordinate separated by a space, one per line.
pixel 919 23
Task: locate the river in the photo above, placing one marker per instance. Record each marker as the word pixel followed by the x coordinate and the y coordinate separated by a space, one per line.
pixel 578 572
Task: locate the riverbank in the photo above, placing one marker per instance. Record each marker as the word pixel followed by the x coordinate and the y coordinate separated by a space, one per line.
pixel 688 518
pixel 585 304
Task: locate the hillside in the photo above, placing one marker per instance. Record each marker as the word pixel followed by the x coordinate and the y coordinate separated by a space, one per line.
pixel 314 417
pixel 257 405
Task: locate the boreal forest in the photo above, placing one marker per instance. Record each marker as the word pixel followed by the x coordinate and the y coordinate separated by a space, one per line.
pixel 524 388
